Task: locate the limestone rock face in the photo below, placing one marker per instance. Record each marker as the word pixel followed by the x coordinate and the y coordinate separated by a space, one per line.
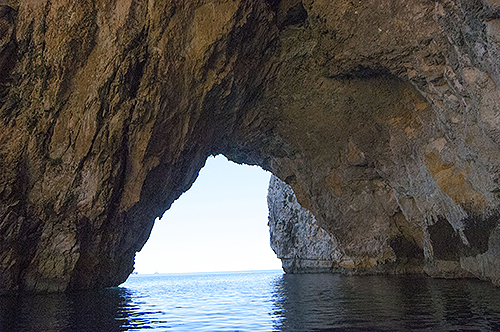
pixel 305 247
pixel 382 115
pixel 296 237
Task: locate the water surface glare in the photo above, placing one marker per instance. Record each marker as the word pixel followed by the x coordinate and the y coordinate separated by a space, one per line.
pixel 262 301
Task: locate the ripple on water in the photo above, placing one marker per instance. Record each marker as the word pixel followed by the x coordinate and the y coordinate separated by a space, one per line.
pixel 262 301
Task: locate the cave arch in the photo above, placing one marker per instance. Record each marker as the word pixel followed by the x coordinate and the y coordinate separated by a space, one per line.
pixel 382 116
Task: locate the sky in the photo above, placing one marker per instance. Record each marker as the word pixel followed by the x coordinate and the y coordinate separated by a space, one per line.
pixel 220 224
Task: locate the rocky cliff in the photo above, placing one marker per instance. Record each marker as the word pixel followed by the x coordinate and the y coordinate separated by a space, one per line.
pixel 305 247
pixel 382 115
pixel 296 238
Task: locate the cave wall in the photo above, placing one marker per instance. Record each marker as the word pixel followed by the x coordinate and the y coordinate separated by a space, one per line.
pixel 393 109
pixel 303 246
pixel 381 115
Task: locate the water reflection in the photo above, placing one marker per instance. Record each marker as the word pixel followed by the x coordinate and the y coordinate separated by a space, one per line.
pixel 325 302
pixel 262 301
pixel 106 310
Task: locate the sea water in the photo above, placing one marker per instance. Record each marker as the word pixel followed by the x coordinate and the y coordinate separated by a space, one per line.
pixel 262 301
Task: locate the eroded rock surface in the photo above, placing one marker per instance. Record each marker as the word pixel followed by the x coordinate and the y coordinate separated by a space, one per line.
pixel 382 115
pixel 304 247
pixel 296 237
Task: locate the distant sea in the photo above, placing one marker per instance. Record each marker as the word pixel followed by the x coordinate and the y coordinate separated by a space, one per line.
pixel 262 301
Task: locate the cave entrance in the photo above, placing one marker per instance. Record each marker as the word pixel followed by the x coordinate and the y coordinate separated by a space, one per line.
pixel 220 224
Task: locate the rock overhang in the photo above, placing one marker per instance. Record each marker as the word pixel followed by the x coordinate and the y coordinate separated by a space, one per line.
pixel 381 115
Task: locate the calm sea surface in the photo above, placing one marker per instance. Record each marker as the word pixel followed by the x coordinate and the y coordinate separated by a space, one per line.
pixel 262 301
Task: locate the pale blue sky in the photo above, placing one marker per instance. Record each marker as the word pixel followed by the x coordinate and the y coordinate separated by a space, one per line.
pixel 220 224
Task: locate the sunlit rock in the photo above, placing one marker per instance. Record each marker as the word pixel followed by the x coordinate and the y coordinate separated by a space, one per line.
pixel 296 237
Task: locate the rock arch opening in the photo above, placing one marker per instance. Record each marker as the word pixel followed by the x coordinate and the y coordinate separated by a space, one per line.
pixel 219 224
